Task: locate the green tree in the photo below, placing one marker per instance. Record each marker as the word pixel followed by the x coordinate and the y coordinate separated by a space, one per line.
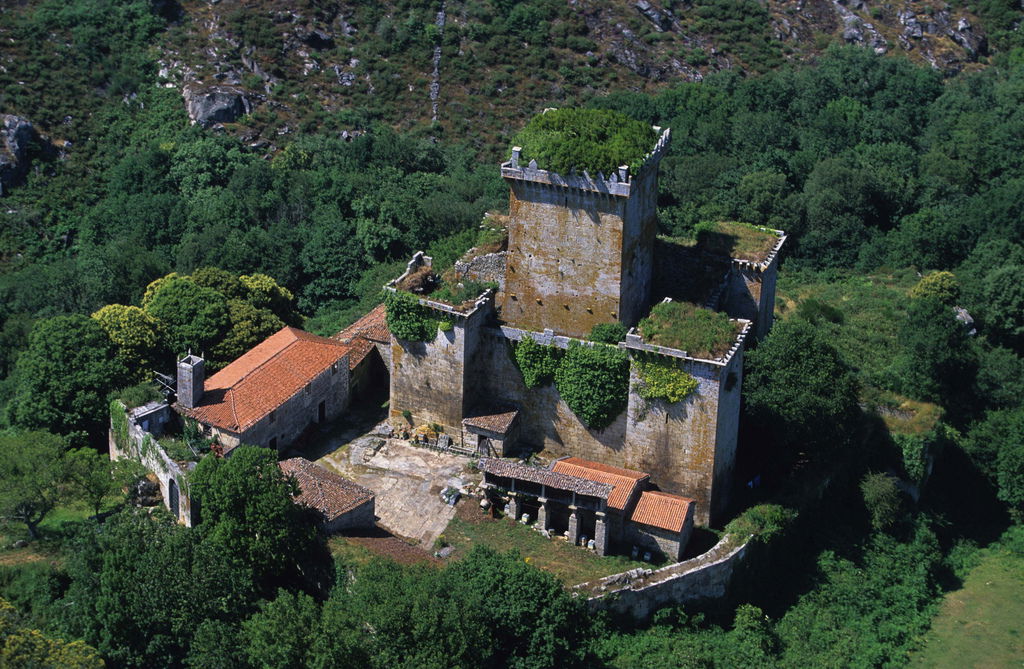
pixel 23 648
pixel 797 384
pixel 937 363
pixel 942 286
pixel 247 511
pixel 33 476
pixel 93 478
pixel 249 326
pixel 882 499
pixel 1010 475
pixel 134 333
pixel 63 378
pixel 190 316
pixel 281 633
pixel 1003 308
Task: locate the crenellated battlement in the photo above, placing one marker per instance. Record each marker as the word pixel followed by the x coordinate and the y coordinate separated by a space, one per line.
pixel 619 183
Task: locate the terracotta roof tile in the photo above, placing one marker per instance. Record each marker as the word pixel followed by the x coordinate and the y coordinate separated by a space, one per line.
pixel 324 490
pixel 511 469
pixel 624 481
pixel 363 334
pixel 372 326
pixel 265 377
pixel 494 422
pixel 660 509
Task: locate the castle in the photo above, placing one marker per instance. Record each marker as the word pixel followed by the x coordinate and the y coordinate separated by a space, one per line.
pixel 582 250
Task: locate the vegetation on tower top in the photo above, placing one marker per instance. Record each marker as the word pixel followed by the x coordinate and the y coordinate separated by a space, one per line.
pixel 700 332
pixel 595 140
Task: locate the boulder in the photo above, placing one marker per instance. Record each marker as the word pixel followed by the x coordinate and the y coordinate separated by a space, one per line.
pixel 16 134
pixel 215 104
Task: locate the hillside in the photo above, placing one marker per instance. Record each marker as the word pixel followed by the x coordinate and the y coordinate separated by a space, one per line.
pixel 269 69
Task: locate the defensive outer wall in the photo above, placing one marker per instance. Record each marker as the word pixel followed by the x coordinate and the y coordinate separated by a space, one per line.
pixel 639 593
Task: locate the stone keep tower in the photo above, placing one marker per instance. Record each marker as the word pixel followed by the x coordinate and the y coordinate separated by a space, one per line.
pixel 580 247
pixel 191 379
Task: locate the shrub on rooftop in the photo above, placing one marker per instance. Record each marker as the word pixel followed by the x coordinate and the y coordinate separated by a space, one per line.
pixel 596 140
pixel 700 332
pixel 407 318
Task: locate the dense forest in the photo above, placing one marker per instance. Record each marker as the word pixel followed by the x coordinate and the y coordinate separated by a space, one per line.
pixel 884 414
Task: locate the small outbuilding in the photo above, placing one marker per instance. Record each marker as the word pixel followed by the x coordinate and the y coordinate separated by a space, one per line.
pixel 343 504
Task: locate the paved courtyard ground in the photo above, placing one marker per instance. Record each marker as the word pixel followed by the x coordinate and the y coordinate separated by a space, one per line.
pixel 407 479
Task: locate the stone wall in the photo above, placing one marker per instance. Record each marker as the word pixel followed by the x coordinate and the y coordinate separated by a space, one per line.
pixel 486 268
pixel 702 578
pixel 429 379
pixel 688 447
pixel 363 516
pixel 145 425
pixel 301 410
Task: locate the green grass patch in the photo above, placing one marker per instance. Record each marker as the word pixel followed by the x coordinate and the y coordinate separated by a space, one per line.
pixel 735 240
pixel 569 564
pixel 982 623
pixel 700 332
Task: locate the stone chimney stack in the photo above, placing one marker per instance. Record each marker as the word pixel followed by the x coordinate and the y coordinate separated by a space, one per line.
pixel 191 376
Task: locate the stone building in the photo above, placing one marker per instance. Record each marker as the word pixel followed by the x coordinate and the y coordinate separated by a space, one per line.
pixel 583 250
pixel 271 394
pixel 341 504
pixel 586 500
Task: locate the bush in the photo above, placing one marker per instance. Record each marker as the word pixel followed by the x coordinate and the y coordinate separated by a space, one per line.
pixel 596 140
pixel 943 286
pixel 608 333
pixel 594 382
pixel 882 499
pixel 763 521
pixel 408 319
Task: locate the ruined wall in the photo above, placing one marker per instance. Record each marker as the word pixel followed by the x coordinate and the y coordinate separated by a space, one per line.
pixel 486 268
pixel 705 577
pixel 429 379
pixel 145 425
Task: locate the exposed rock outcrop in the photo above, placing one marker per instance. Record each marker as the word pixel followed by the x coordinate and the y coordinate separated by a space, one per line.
pixel 215 104
pixel 16 133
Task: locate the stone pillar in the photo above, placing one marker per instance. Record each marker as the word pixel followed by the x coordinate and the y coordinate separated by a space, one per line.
pixel 600 533
pixel 543 513
pixel 574 526
pixel 513 505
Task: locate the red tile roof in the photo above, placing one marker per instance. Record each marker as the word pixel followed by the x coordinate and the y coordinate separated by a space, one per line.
pixel 624 481
pixel 494 422
pixel 265 377
pixel 661 509
pixel 324 490
pixel 364 333
pixel 515 470
pixel 372 326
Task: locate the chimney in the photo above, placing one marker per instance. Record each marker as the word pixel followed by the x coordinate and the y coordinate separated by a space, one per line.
pixel 191 376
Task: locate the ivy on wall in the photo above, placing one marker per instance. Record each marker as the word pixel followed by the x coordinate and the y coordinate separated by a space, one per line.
pixel 408 319
pixel 662 379
pixel 594 382
pixel 119 425
pixel 537 363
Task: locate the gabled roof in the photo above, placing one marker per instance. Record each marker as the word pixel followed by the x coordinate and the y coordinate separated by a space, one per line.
pixel 323 490
pixel 660 509
pixel 265 377
pixel 514 470
pixel 624 481
pixel 363 334
pixel 492 420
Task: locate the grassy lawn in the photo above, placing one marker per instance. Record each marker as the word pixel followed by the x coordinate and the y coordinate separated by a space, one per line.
pixel 982 623
pixel 570 564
